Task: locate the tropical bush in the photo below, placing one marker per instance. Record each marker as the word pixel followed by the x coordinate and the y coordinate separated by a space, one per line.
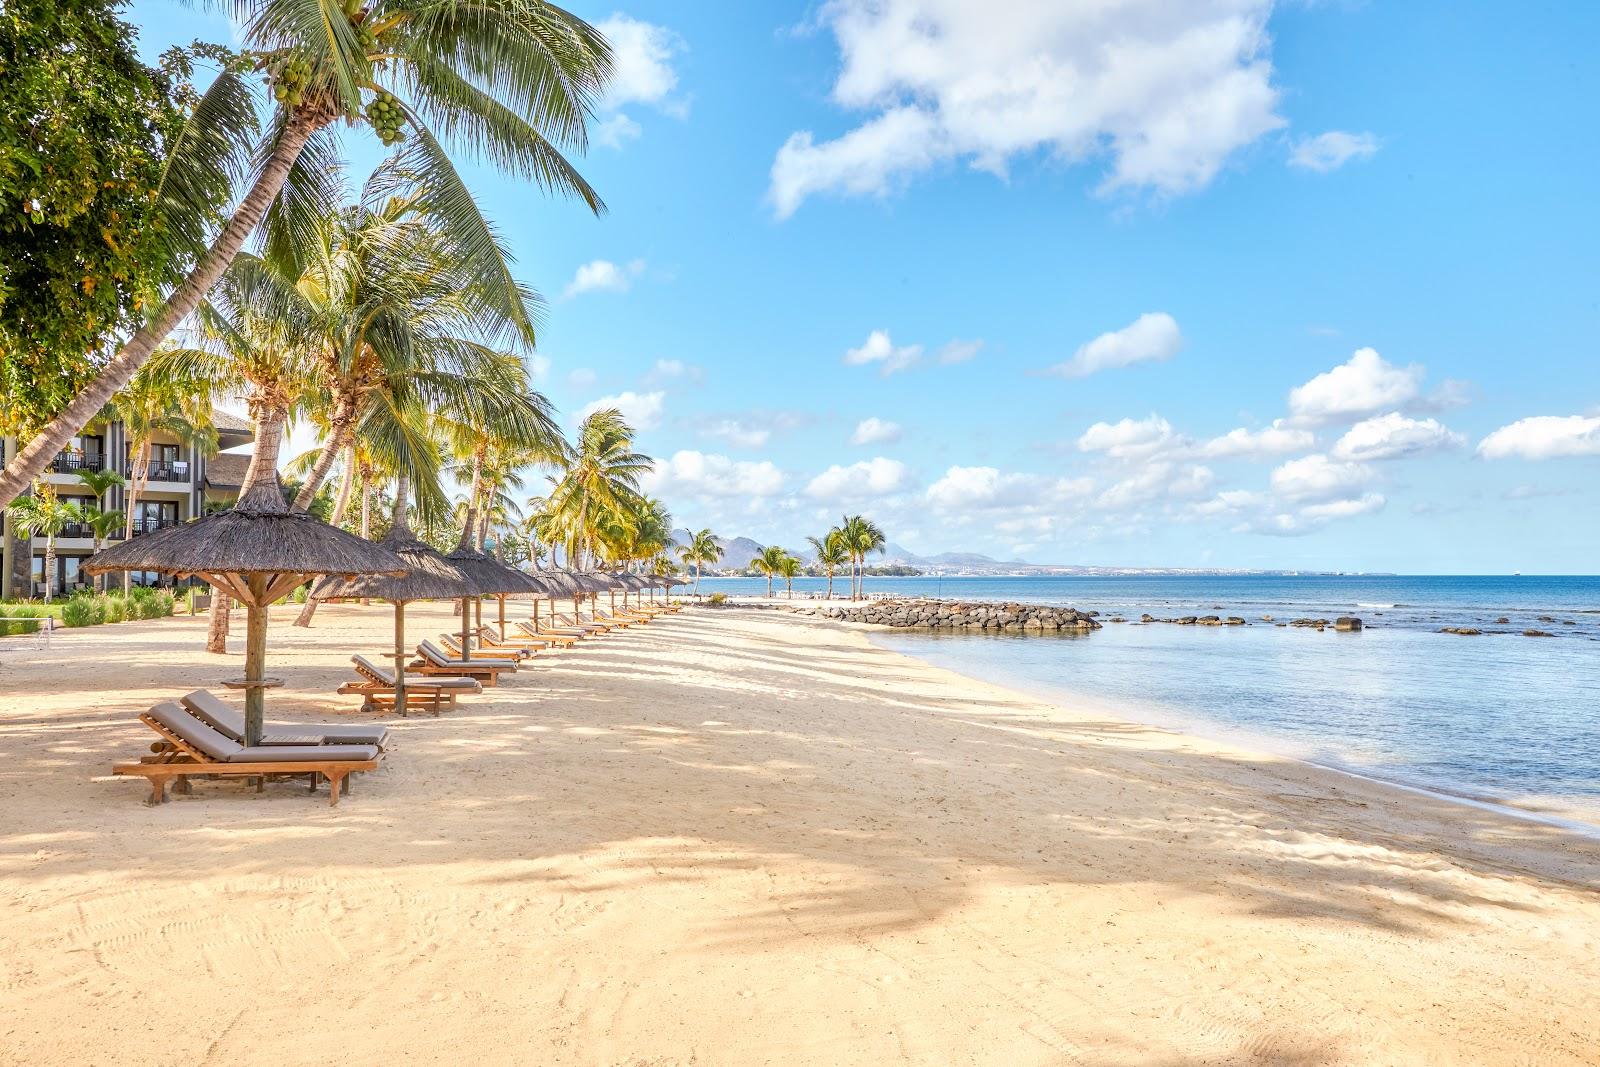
pixel 716 600
pixel 82 611
pixel 21 611
pixel 87 609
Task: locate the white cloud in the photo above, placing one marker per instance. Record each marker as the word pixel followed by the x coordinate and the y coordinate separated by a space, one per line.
pixel 986 488
pixel 1129 438
pixel 1332 150
pixel 1157 481
pixel 641 410
pixel 959 351
pixel 871 431
pixel 1166 91
pixel 879 349
pixel 538 367
pixel 737 433
pixel 1393 436
pixel 872 477
pixel 1153 336
pixel 616 131
pixel 1544 437
pixel 581 377
pixel 602 275
pixel 694 473
pixel 669 370
pixel 642 72
pixel 1318 479
pixel 1363 386
pixel 1315 516
pixel 1275 440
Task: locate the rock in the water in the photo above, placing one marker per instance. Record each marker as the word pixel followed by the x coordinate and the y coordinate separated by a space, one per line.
pixel 1347 623
pixel 1536 633
pixel 1463 631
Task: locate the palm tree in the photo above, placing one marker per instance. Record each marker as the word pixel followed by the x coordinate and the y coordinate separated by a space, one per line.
pixel 701 550
pixel 861 536
pixel 600 481
pixel 45 513
pixel 512 81
pixel 100 520
pixel 154 403
pixel 790 568
pixel 831 553
pixel 770 563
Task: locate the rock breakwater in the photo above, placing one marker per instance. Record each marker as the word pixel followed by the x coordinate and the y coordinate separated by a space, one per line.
pixel 959 615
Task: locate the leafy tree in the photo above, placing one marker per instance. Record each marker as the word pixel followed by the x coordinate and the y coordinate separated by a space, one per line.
pixel 770 563
pixel 831 554
pixel 84 133
pixel 790 568
pixel 100 520
pixel 45 513
pixel 861 536
pixel 600 482
pixel 510 81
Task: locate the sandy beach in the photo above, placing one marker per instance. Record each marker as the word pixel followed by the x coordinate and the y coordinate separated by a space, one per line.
pixel 739 837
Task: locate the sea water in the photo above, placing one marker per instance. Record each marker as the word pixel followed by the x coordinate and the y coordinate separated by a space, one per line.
pixel 1499 716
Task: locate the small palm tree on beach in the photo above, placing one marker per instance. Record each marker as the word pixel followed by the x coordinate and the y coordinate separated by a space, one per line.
pixel 101 521
pixel 701 550
pixel 770 563
pixel 861 536
pixel 790 568
pixel 831 554
pixel 45 513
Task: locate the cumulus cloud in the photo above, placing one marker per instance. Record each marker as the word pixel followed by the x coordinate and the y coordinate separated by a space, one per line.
pixel 669 370
pixel 1315 516
pixel 603 276
pixel 959 351
pixel 642 72
pixel 693 473
pixel 1318 479
pixel 641 410
pixel 581 377
pixel 1332 150
pixel 1544 437
pixel 1153 336
pixel 737 433
pixel 879 349
pixel 1165 93
pixel 1364 385
pixel 988 488
pixel 1157 481
pixel 1394 436
pixel 872 477
pixel 1275 440
pixel 1129 438
pixel 871 431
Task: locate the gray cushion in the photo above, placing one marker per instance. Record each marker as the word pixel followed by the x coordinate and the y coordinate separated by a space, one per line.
pixel 430 651
pixel 382 673
pixel 303 753
pixel 195 732
pixel 214 711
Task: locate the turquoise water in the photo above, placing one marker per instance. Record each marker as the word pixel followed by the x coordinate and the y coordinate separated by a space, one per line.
pixel 1499 716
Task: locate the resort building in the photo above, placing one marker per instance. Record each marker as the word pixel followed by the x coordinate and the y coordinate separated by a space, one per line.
pixel 184 483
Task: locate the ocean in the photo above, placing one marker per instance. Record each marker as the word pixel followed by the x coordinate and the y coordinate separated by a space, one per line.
pixel 1499 717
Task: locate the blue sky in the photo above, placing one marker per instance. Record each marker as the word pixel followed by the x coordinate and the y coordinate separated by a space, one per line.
pixel 1203 284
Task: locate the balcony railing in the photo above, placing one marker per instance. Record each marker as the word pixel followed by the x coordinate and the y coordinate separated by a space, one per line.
pixel 73 462
pixel 77 529
pixel 151 525
pixel 169 472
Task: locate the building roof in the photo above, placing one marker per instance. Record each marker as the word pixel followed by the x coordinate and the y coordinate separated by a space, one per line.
pixel 233 427
pixel 225 470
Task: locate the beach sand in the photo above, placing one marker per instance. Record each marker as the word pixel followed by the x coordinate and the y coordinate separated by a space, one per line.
pixel 741 837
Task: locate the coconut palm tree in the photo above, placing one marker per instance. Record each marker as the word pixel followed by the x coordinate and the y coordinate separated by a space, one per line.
pixel 861 536
pixel 510 81
pixel 44 512
pixel 600 480
pixel 770 563
pixel 101 520
pixel 701 550
pixel 791 568
pixel 831 554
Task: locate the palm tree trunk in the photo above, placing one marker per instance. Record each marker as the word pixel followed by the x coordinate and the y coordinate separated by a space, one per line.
pixel 221 612
pixel 49 566
pixel 138 475
pixel 340 506
pixel 340 435
pixel 31 460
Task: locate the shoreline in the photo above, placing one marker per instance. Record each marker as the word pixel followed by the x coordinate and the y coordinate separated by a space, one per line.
pixel 735 837
pixel 1576 819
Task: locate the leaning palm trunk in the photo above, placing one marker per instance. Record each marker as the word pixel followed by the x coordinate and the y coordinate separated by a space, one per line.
pixel 340 506
pixel 341 431
pixel 269 439
pixel 138 475
pixel 32 459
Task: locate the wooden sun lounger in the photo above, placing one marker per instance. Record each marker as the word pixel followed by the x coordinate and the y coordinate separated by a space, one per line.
pixel 565 640
pixel 229 722
pixel 431 660
pixel 377 688
pixel 452 645
pixel 193 749
pixel 572 622
pixel 622 617
pixel 491 637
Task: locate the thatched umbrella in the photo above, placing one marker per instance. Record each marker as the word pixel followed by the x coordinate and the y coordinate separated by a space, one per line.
pixel 630 583
pixel 257 552
pixel 432 577
pixel 487 577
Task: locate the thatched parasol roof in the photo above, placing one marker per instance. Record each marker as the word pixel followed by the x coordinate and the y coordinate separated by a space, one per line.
pixel 260 535
pixel 432 576
pixel 633 582
pixel 561 583
pixel 597 581
pixel 489 577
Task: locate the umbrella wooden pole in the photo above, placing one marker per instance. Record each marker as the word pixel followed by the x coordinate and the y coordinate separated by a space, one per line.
pixel 255 663
pixel 502 616
pixel 477 614
pixel 466 624
pixel 400 656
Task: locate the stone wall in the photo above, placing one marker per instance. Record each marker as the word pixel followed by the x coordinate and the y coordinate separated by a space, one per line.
pixel 958 615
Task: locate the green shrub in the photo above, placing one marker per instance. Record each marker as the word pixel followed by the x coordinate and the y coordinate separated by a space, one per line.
pixel 163 605
pixel 21 611
pixel 300 593
pixel 717 599
pixel 116 606
pixel 81 611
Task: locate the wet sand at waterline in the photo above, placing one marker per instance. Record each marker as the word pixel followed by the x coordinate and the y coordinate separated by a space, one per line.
pixel 740 837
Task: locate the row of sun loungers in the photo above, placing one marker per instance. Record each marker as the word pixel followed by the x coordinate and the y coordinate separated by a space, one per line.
pixel 202 736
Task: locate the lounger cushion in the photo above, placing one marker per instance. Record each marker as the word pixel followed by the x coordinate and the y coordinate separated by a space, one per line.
pixel 383 674
pixel 195 732
pixel 304 753
pixel 213 711
pixel 431 652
